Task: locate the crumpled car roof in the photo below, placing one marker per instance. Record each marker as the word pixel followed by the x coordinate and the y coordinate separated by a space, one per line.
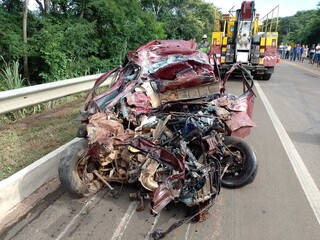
pixel 157 50
pixel 173 64
pixel 168 66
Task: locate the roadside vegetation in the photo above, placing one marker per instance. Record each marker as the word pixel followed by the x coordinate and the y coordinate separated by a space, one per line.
pixel 302 28
pixel 64 39
pixel 26 140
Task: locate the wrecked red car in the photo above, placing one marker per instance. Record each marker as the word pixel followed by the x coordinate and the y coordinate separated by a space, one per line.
pixel 166 124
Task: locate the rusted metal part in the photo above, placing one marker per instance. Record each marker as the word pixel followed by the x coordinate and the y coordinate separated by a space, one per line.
pixel 95 172
pixel 225 169
pixel 161 126
pixel 223 113
pixel 137 196
pixel 113 191
pixel 195 91
pixel 147 175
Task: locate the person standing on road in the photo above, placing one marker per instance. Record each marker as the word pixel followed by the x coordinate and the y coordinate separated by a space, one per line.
pixel 203 46
pixel 305 52
pixel 317 55
pixel 288 49
pixel 311 55
pixel 294 53
pixel 281 50
pixel 301 50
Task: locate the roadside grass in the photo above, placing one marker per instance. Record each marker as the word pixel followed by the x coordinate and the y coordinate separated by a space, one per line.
pixel 26 140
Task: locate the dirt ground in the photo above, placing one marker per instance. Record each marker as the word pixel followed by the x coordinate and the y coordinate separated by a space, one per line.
pixel 26 140
pixel 29 122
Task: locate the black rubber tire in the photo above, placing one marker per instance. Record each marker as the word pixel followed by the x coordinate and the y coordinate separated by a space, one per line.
pixel 257 76
pixel 253 176
pixel 267 76
pixel 82 131
pixel 68 174
pixel 250 167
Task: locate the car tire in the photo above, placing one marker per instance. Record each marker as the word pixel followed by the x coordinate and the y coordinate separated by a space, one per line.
pixel 249 169
pixel 68 169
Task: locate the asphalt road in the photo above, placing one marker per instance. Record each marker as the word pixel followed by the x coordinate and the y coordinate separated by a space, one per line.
pixel 282 203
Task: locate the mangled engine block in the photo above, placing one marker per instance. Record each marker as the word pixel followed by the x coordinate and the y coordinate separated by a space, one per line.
pixel 174 152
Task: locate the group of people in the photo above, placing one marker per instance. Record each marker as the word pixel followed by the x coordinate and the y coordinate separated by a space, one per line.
pixel 300 52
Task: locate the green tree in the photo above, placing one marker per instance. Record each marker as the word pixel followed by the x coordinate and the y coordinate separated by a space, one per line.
pixel 121 26
pixel 67 38
pixel 11 46
pixel 303 27
pixel 13 6
pixel 183 19
pixel 64 45
pixel 309 34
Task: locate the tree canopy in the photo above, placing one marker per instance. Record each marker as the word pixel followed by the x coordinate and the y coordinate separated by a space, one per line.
pixel 302 28
pixel 69 38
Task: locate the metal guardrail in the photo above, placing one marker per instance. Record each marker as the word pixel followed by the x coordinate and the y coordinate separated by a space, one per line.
pixel 16 99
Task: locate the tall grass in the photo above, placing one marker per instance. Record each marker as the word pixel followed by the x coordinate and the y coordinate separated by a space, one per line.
pixel 10 78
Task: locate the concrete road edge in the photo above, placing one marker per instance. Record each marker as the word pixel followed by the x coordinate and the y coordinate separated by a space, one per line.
pixel 23 183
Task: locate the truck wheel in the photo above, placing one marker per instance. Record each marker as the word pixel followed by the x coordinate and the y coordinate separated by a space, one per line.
pixel 257 76
pixel 267 76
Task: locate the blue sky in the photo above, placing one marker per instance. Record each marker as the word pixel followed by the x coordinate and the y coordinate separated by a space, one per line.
pixel 286 7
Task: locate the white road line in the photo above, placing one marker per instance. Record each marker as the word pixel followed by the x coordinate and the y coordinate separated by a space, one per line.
pixel 124 221
pixel 308 185
pixel 154 224
pixel 187 232
pixel 83 209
